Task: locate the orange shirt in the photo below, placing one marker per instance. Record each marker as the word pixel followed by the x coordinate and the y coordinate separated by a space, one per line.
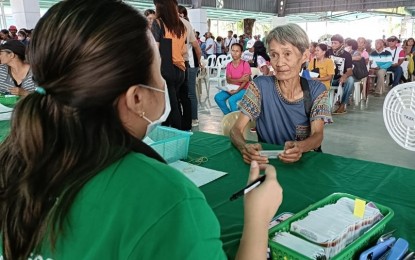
pixel 178 48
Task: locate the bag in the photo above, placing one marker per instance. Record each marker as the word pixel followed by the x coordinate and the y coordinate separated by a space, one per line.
pixel 411 65
pixel 166 54
pixel 316 70
pixel 359 69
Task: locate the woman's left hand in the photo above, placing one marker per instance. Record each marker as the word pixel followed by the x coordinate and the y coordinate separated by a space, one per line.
pixel 292 152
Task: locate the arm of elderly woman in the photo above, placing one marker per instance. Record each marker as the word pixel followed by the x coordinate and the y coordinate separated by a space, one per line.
pixel 249 152
pixel 293 150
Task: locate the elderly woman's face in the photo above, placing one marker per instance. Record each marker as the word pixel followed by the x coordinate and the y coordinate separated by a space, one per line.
pixel 286 59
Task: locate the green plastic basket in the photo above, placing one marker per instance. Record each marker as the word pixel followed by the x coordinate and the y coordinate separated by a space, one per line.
pixel 170 143
pixel 9 101
pixel 352 251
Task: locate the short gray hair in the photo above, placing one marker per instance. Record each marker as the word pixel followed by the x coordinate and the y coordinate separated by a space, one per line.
pixel 291 33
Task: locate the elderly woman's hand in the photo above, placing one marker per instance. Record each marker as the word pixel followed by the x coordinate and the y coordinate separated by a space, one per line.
pixel 250 152
pixel 292 152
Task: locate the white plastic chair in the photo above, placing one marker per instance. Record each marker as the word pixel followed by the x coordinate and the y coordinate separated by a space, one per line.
pixel 221 59
pixel 201 77
pixel 218 77
pixel 255 72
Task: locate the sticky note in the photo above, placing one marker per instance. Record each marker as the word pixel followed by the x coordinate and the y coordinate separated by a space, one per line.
pixel 359 208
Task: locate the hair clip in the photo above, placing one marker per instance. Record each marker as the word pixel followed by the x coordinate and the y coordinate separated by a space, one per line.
pixel 40 90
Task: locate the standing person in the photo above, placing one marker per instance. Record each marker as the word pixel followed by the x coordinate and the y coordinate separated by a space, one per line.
pixel 168 21
pixel 150 14
pixel 380 61
pixel 229 41
pixel 187 94
pixel 118 203
pixel 219 46
pixel 210 45
pixel 15 74
pixel 283 112
pixel 322 65
pixel 238 73
pixel 343 70
pixel 398 57
pixel 13 32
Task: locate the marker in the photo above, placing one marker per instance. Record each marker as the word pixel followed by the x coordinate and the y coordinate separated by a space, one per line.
pixel 248 188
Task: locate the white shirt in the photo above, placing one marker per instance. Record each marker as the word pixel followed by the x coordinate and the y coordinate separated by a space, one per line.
pixel 212 49
pixel 229 42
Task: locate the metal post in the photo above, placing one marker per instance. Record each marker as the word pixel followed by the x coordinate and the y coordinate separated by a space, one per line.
pixel 3 15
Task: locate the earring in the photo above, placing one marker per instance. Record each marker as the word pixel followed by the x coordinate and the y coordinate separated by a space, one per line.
pixel 142 114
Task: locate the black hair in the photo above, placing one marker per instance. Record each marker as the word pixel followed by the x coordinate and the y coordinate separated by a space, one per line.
pixel 338 38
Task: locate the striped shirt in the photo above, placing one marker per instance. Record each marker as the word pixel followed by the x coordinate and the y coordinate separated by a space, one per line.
pixel 6 80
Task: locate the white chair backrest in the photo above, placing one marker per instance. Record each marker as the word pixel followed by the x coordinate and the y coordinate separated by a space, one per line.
pixel 221 59
pixel 212 60
pixel 255 72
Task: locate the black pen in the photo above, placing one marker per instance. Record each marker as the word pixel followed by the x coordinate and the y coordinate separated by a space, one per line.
pixel 248 188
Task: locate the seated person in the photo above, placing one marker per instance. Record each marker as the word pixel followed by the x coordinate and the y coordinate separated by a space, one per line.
pixel 15 73
pixel 77 182
pixel 398 57
pixel 322 65
pixel 238 73
pixel 248 54
pixel 278 104
pixel 261 58
pixel 343 70
pixel 380 60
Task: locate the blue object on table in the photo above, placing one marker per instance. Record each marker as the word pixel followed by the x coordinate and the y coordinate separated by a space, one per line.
pixel 375 252
pixel 398 250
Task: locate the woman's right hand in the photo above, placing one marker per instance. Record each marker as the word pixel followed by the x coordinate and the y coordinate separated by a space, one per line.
pixel 250 152
pixel 262 203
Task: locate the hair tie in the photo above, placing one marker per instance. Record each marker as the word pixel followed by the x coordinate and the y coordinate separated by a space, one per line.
pixel 40 90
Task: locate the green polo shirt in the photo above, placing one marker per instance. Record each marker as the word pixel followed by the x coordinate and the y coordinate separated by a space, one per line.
pixel 138 208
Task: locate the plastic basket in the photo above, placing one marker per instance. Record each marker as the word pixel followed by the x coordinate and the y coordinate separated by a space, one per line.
pixel 170 143
pixel 352 251
pixel 9 101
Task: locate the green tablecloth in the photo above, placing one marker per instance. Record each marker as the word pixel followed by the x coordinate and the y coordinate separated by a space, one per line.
pixel 4 129
pixel 314 177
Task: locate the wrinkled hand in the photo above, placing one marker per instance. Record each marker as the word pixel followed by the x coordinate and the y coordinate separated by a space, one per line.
pixel 250 152
pixel 292 152
pixel 262 203
pixel 342 79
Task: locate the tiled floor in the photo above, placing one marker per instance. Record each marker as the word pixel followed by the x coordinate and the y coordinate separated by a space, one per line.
pixel 359 134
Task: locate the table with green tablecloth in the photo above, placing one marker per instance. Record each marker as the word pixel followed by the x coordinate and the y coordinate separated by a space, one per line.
pixel 314 177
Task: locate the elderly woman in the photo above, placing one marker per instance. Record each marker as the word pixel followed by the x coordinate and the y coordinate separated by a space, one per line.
pixel 15 73
pixel 76 181
pixel 287 110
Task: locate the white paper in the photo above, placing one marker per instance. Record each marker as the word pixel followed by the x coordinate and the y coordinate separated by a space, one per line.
pixel 5 112
pixel 197 174
pixel 314 74
pixel 228 87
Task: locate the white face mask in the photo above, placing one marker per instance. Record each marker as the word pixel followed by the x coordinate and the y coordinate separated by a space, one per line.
pixel 163 117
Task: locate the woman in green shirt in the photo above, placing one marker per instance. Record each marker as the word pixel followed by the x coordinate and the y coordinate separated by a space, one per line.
pixel 76 181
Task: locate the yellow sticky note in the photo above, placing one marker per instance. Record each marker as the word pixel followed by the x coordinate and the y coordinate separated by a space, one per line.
pixel 359 208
